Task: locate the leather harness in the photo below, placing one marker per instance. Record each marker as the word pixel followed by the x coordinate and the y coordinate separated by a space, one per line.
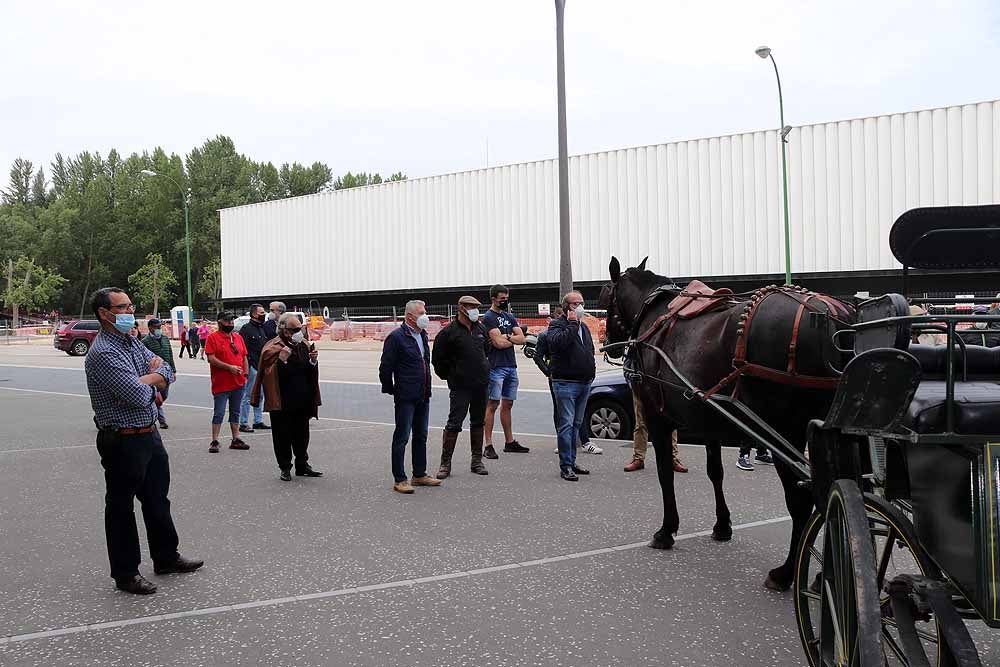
pixel 697 299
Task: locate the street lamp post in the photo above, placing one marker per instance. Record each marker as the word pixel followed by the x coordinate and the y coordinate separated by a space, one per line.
pixel 185 197
pixel 565 261
pixel 765 53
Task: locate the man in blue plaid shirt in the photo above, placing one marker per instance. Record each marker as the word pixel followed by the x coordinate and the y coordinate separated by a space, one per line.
pixel 124 379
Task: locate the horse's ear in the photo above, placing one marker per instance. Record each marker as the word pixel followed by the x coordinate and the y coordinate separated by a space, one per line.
pixel 615 268
pixel 642 264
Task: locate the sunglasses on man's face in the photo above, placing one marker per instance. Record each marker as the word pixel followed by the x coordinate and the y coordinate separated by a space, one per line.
pixel 293 329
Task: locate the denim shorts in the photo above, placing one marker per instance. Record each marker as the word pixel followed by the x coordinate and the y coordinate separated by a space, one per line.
pixel 503 384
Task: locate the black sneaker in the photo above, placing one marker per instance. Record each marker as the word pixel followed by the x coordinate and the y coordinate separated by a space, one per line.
pixel 164 426
pixel 262 426
pixel 214 447
pixel 245 429
pixel 568 475
pixel 764 458
pixel 515 447
pixel 490 453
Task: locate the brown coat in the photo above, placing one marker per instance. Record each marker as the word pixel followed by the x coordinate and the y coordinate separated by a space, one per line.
pixel 267 377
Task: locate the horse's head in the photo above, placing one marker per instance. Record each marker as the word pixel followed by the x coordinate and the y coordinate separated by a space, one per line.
pixel 623 296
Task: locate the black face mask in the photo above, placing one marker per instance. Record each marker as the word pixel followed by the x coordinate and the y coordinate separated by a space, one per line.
pixel 258 318
pixel 226 328
pixel 502 305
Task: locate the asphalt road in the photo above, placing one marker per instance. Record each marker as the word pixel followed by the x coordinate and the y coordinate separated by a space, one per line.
pixel 516 568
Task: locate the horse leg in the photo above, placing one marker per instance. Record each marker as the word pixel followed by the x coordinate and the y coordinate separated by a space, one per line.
pixel 659 433
pixel 800 505
pixel 722 531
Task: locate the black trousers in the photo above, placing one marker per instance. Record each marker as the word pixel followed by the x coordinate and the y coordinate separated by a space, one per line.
pixel 463 402
pixel 290 435
pixel 136 466
pixel 186 346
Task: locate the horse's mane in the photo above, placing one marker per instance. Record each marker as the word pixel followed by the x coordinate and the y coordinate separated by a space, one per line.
pixel 644 278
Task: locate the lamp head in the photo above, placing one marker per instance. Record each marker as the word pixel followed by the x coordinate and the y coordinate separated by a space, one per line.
pixel 763 51
pixel 148 172
pixel 784 131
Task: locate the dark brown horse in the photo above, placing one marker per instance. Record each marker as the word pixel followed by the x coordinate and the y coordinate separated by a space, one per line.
pixel 798 348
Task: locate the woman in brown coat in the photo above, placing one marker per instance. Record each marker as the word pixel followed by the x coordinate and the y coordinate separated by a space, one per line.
pixel 289 375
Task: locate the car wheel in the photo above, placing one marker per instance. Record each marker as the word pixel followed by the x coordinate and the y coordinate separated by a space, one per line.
pixel 80 348
pixel 606 419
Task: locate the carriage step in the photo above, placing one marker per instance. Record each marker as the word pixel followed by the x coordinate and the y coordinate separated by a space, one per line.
pixel 914 597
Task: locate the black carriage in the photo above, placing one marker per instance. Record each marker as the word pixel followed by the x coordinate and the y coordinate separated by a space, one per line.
pixel 904 470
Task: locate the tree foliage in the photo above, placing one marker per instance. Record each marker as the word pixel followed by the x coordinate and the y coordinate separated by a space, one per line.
pixel 96 220
pixel 29 285
pixel 153 282
pixel 362 179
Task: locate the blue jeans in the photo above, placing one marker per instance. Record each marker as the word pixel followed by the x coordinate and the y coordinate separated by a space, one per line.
pixel 411 417
pixel 233 399
pixel 258 411
pixel 571 404
pixel 503 384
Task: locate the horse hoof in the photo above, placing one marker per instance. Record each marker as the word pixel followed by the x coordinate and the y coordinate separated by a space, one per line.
pixel 722 535
pixel 772 584
pixel 660 544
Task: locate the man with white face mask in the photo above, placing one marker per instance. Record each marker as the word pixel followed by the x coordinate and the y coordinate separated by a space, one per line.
pixel 460 358
pixel 571 352
pixel 405 374
pixel 288 373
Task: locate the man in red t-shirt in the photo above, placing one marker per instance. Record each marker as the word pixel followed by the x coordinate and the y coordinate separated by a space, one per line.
pixel 227 358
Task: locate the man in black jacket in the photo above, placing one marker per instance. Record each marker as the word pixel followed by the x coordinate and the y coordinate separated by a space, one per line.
pixel 255 337
pixel 571 359
pixel 460 358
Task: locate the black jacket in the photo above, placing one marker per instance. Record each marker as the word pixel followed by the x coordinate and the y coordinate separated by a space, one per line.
pixel 570 358
pixel 460 356
pixel 403 372
pixel 270 328
pixel 254 336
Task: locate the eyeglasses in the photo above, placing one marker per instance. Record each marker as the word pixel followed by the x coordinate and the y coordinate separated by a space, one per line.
pixel 575 303
pixel 293 329
pixel 123 307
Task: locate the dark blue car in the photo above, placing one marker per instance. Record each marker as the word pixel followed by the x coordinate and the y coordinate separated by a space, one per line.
pixel 610 413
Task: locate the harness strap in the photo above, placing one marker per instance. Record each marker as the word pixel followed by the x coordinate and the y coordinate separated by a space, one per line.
pixel 793 344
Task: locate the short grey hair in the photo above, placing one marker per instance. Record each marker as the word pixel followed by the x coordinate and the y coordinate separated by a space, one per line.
pixel 283 320
pixel 411 306
pixel 280 305
pixel 567 295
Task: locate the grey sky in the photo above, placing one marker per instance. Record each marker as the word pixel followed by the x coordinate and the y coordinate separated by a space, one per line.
pixel 419 86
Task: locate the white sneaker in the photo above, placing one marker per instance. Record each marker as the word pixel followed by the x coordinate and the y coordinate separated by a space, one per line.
pixel 591 448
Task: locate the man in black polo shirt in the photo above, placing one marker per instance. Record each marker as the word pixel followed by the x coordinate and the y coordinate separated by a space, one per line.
pixel 254 337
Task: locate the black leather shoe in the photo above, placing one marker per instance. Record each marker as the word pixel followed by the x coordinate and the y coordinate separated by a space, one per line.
pixel 181 565
pixel 490 453
pixel 262 426
pixel 286 475
pixel 307 472
pixel 164 425
pixel 515 447
pixel 245 429
pixel 580 471
pixel 137 585
pixel 568 475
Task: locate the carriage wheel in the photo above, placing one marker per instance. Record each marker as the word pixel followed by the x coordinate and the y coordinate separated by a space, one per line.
pixel 897 551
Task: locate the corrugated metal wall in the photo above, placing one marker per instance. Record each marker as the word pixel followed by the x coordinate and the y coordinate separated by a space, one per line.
pixel 707 207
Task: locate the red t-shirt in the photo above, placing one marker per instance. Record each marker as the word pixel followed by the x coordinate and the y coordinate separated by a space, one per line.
pixel 218 346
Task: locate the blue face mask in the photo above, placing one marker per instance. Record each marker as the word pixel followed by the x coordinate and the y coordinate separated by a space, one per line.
pixel 124 322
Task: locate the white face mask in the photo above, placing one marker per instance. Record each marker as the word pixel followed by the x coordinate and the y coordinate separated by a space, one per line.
pixel 297 337
pixel 580 310
pixel 423 321
pixel 472 314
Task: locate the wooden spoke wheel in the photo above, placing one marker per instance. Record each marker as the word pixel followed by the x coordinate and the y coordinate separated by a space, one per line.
pixel 897 551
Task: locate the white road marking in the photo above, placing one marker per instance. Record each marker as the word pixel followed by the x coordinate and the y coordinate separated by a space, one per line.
pixel 205 375
pixel 273 602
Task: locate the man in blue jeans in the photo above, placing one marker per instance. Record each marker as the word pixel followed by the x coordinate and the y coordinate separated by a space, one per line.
pixel 255 337
pixel 405 374
pixel 571 359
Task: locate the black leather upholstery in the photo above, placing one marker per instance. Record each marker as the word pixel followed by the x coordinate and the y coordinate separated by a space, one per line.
pixel 977 407
pixel 981 362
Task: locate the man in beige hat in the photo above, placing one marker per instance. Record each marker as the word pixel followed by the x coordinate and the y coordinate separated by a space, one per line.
pixel 460 358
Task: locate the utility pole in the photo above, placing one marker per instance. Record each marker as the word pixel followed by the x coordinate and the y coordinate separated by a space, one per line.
pixel 565 261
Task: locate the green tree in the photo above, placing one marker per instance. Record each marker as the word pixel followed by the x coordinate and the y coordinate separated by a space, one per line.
pixel 361 179
pixel 38 287
pixel 19 190
pixel 153 281
pixel 39 189
pixel 210 284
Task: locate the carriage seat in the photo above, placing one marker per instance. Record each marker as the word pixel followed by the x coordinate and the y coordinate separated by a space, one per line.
pixel 697 298
pixel 977 407
pixel 981 363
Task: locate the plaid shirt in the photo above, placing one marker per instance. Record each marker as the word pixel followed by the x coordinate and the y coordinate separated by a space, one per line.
pixel 114 365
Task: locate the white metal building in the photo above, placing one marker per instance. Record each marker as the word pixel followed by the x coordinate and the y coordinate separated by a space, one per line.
pixel 705 207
